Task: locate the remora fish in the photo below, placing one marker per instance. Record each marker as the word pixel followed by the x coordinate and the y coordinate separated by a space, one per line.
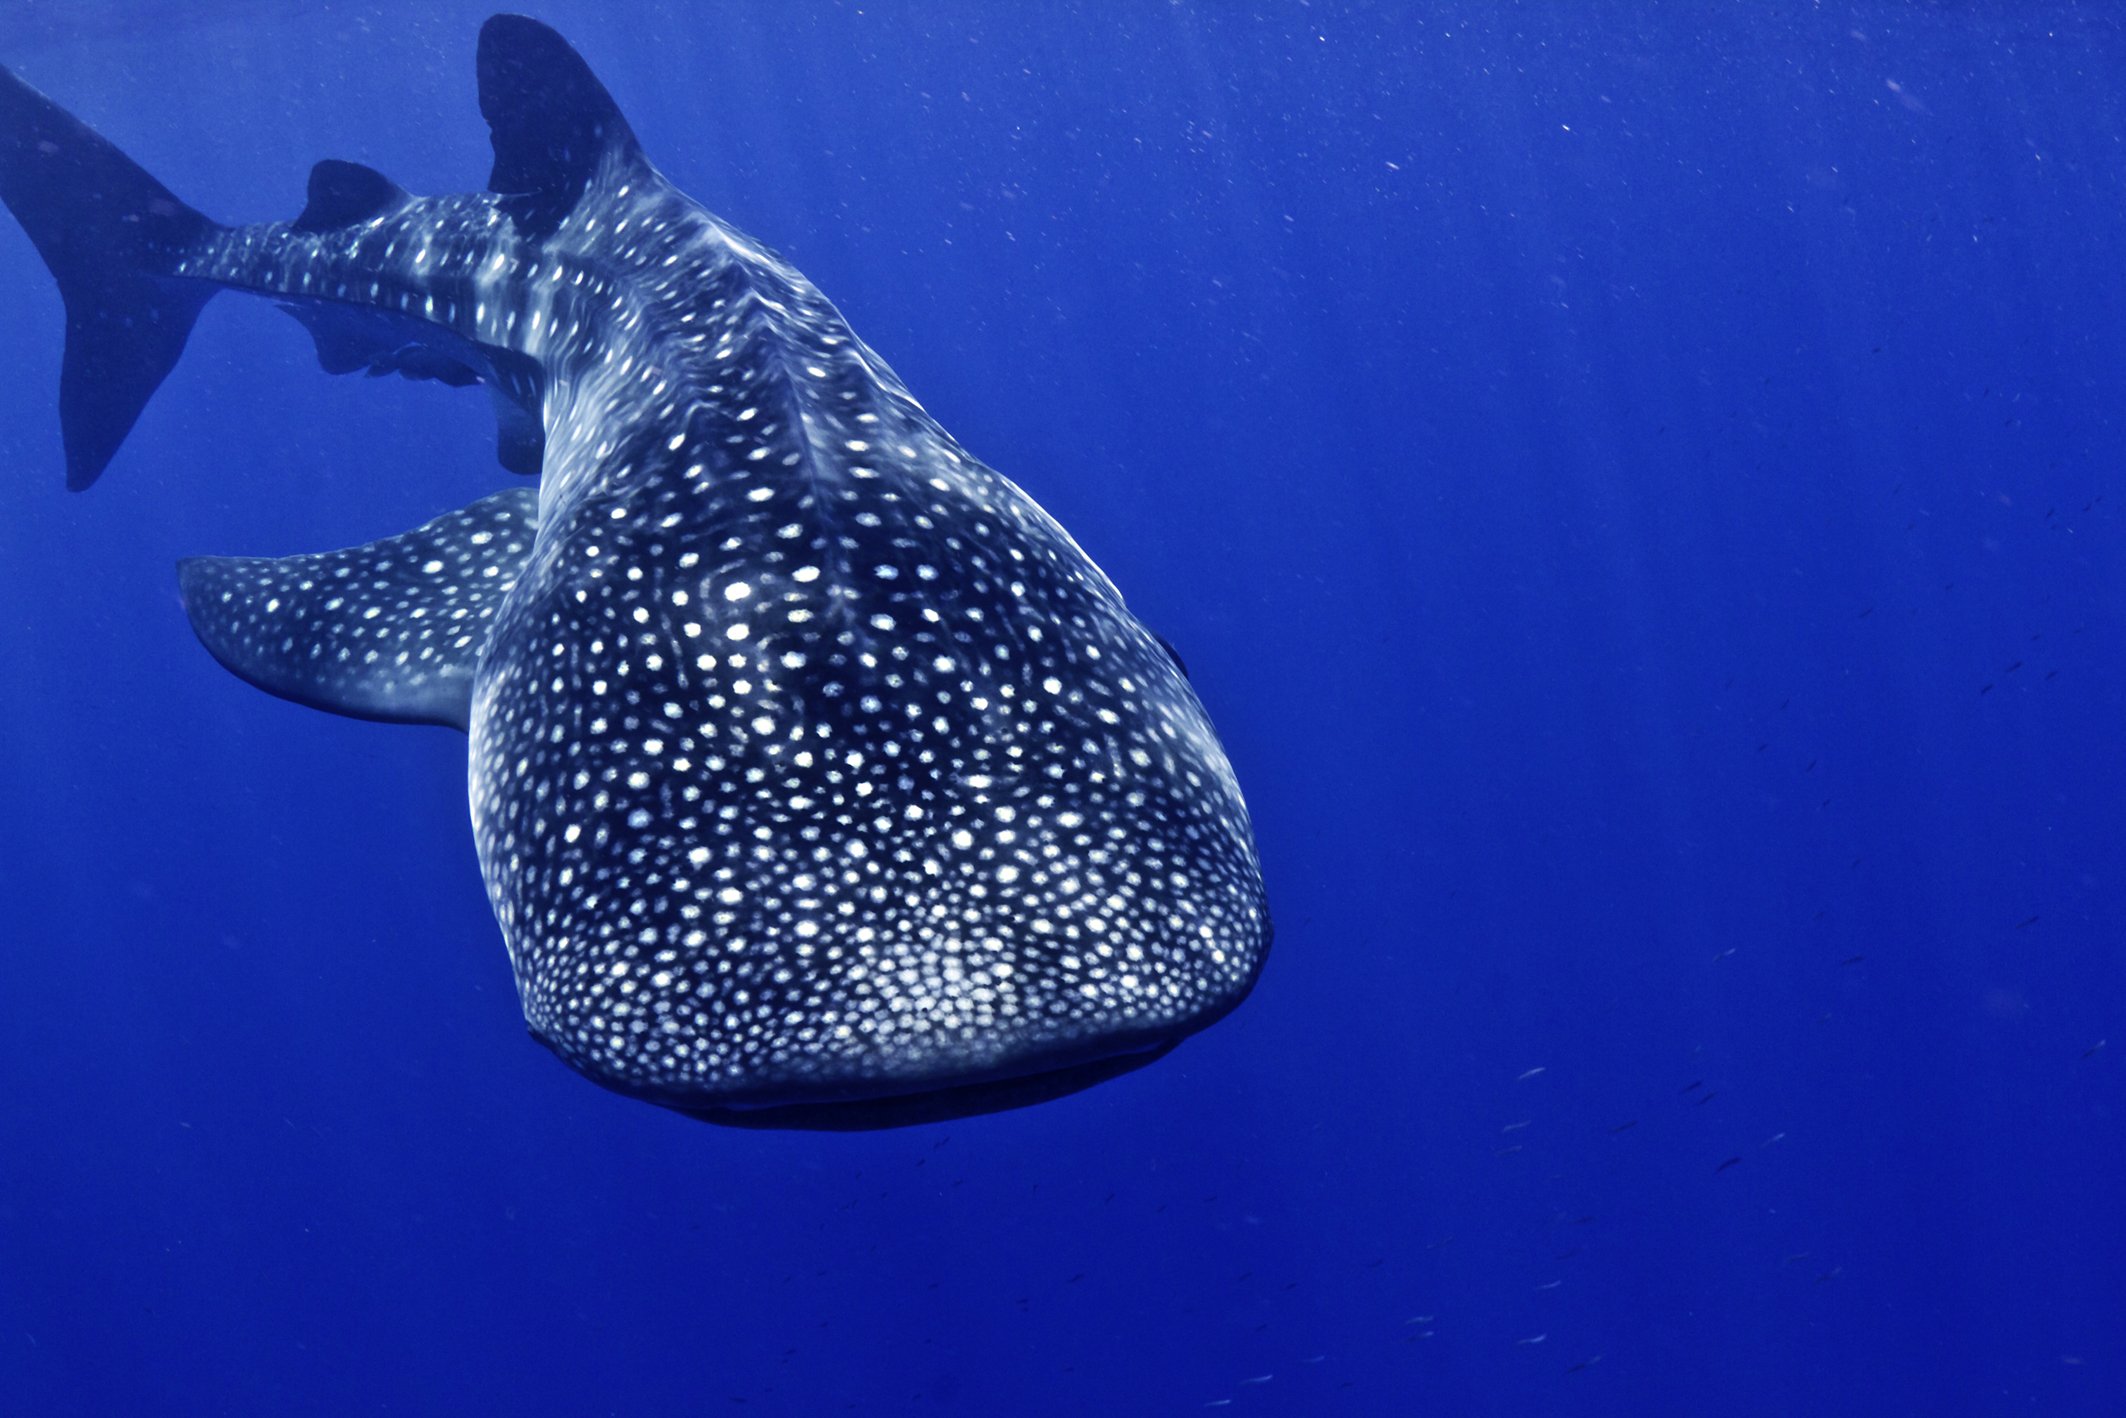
pixel 818 777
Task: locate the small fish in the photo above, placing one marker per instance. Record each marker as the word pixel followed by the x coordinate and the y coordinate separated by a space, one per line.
pixel 1625 1126
pixel 2091 1052
pixel 1532 1340
pixel 1539 1068
pixel 1259 1379
pixel 1730 1162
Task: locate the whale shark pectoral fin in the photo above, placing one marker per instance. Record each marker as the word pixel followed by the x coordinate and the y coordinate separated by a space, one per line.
pixel 392 630
pixel 552 122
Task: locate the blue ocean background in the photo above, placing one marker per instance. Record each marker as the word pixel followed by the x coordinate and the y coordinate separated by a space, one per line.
pixel 1637 486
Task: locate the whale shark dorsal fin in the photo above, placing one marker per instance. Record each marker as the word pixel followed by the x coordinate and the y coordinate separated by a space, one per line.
pixel 552 122
pixel 344 193
pixel 392 630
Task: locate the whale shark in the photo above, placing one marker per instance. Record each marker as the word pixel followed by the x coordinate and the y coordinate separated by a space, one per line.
pixel 818 777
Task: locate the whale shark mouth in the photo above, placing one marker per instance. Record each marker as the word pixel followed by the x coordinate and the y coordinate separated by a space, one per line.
pixel 919 1103
pixel 934 1105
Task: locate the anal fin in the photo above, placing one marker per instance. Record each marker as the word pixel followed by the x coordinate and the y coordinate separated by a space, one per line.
pixel 353 337
pixel 392 630
pixel 520 437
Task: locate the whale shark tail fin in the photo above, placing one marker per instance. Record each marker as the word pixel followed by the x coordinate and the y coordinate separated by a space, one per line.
pixel 112 236
pixel 553 124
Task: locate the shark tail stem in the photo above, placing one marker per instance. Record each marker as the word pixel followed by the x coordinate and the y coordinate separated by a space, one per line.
pixel 112 236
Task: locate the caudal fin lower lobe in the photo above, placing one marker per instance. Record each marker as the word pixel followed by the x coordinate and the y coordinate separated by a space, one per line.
pixel 111 235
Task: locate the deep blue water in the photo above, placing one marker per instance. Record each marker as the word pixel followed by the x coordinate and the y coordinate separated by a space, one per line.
pixel 1638 488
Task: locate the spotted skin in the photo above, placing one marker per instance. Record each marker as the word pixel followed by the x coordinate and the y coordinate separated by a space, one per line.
pixel 391 630
pixel 811 761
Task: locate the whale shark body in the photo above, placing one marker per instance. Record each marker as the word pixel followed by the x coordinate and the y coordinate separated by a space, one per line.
pixel 818 777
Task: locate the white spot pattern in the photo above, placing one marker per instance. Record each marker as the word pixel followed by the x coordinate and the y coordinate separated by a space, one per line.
pixel 391 630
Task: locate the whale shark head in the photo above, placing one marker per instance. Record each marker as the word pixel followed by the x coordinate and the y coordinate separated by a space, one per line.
pixel 857 788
